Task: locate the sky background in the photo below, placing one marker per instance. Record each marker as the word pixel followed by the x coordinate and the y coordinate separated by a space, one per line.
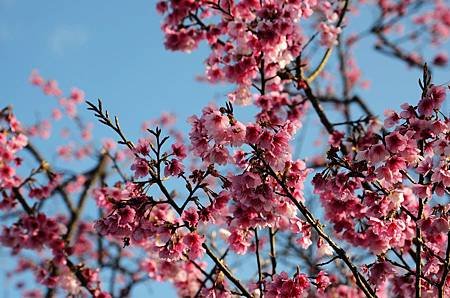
pixel 114 50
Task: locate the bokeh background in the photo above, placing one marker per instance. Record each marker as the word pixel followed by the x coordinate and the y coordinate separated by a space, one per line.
pixel 114 50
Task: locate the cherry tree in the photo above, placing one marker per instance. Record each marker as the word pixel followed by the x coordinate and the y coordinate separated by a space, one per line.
pixel 228 209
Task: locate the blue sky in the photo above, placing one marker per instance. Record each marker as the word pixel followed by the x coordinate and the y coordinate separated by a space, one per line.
pixel 113 50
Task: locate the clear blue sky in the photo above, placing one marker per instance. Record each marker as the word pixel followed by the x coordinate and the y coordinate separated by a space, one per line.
pixel 113 50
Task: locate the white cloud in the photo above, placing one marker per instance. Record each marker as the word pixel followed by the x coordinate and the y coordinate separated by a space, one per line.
pixel 64 38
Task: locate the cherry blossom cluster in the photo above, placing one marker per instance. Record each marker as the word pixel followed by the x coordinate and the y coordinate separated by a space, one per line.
pixel 36 229
pixel 12 141
pixel 247 36
pixel 224 210
pixel 401 19
pixel 387 186
pixel 67 105
pixel 248 201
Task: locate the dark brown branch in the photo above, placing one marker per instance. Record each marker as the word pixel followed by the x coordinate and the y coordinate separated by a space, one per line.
pixel 208 276
pixel 49 171
pixel 446 265
pixel 273 254
pixel 69 263
pixel 76 270
pixel 94 175
pixel 328 262
pixel 258 262
pixel 361 281
pixel 226 271
pixel 319 110
pixel 22 201
pixel 418 239
pixel 103 117
pixel 395 51
pixel 410 271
